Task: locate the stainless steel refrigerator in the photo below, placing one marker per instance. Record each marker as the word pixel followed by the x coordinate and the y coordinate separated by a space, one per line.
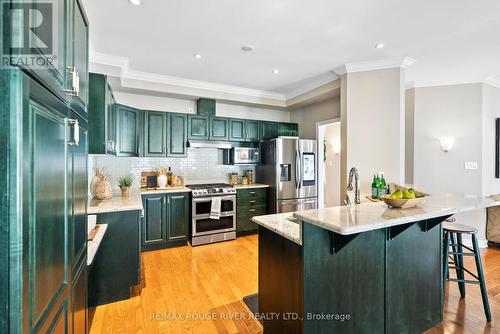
pixel 288 166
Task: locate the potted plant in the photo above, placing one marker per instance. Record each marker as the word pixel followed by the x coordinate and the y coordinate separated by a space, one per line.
pixel 125 182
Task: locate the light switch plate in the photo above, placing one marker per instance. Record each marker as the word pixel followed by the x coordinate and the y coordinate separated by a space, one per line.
pixel 471 165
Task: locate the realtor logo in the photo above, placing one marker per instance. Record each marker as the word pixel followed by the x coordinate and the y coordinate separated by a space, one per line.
pixel 29 39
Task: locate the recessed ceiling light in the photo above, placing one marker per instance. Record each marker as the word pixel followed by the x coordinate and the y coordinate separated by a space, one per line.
pixel 379 46
pixel 247 48
pixel 197 55
pixel 276 71
pixel 136 2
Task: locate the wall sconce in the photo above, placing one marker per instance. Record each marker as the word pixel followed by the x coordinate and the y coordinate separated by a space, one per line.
pixel 447 143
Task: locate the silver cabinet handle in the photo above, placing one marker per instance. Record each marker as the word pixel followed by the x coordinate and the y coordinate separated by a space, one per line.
pixel 253 201
pixel 75 81
pixel 76 132
pixel 251 192
pixel 251 210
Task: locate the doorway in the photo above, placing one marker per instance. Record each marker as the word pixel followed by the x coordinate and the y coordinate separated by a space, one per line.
pixel 328 134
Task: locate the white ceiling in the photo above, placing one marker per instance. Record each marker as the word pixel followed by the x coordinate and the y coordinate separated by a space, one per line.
pixel 452 41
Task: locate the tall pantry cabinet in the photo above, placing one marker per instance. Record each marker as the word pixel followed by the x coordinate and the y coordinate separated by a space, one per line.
pixel 43 180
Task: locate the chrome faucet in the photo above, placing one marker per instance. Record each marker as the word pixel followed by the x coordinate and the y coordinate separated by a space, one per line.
pixel 354 173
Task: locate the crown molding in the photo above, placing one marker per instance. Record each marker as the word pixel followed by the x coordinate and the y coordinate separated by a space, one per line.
pixel 402 62
pixel 119 66
pixel 116 66
pixel 493 80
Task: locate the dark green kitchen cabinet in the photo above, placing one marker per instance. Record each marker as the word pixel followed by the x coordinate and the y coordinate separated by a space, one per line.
pixel 205 107
pixel 177 216
pixel 288 129
pixel 128 122
pixel 155 220
pixel 252 130
pixel 198 127
pixel 79 301
pixel 78 28
pixel 250 202
pixel 155 134
pixel 101 115
pixel 166 220
pixel 117 265
pixel 237 129
pixel 177 134
pixel 219 128
pixel 269 130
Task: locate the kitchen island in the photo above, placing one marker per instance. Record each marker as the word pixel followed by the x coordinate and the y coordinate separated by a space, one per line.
pixel 355 269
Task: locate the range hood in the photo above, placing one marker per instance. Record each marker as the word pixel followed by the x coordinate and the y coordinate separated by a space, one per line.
pixel 209 144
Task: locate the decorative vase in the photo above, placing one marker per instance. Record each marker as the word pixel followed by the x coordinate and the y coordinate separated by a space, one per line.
pixel 162 181
pixel 103 189
pixel 125 191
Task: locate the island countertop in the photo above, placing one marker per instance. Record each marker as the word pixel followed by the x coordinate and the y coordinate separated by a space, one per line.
pixel 370 216
pixel 114 204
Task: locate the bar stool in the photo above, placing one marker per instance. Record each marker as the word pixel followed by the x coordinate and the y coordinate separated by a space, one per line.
pixel 453 238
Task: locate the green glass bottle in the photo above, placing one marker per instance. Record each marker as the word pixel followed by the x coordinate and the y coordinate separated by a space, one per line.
pixel 382 186
pixel 375 182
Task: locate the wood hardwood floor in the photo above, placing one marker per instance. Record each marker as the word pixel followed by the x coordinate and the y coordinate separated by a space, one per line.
pixel 185 284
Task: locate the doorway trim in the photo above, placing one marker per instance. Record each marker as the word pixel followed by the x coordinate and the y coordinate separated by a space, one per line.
pixel 321 158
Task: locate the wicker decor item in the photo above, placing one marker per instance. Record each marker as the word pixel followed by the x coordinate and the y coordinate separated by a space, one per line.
pixel 100 187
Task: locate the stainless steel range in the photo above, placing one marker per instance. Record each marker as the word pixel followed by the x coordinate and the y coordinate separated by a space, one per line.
pixel 205 230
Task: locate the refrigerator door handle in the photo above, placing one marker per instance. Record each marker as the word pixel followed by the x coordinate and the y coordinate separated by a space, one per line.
pixel 301 176
pixel 297 170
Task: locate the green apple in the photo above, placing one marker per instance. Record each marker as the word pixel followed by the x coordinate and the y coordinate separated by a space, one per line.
pixel 398 194
pixel 407 194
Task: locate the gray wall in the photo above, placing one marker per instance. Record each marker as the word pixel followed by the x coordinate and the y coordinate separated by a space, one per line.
pixel 455 111
pixel 308 116
pixel 161 103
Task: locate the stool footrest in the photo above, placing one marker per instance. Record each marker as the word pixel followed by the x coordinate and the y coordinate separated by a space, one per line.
pixel 463 281
pixel 464 254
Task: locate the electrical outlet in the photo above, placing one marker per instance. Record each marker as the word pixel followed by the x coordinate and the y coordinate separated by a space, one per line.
pixel 472 165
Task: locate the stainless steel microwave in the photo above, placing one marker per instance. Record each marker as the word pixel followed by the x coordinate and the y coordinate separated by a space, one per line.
pixel 244 156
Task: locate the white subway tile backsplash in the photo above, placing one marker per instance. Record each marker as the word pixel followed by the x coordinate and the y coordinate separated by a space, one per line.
pixel 203 165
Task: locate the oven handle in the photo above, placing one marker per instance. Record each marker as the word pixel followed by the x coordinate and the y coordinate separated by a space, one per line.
pixel 209 199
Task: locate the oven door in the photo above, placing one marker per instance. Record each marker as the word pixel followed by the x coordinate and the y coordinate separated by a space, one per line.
pixel 204 225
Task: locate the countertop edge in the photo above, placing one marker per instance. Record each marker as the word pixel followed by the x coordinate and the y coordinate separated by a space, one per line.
pixel 250 186
pixel 266 225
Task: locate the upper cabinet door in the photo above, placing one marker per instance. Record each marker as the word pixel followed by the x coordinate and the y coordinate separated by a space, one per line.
pixel 198 127
pixel 48 51
pixel 236 129
pixel 252 129
pixel 269 130
pixel 127 131
pixel 155 134
pixel 219 128
pixel 177 135
pixel 79 62
pixel 288 129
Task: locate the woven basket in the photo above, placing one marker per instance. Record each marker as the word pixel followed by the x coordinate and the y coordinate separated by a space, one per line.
pixel 100 186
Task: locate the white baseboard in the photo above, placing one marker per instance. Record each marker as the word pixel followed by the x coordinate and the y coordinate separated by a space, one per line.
pixel 482 243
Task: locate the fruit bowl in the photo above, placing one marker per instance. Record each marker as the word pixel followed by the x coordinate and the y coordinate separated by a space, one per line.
pixel 403 203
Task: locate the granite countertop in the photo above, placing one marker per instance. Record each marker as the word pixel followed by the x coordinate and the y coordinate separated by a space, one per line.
pixel 164 191
pixel 248 186
pixel 370 216
pixel 116 203
pixel 282 223
pixel 93 245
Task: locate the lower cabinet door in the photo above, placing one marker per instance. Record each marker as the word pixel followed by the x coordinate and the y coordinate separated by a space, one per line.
pixel 178 216
pixel 79 300
pixel 154 224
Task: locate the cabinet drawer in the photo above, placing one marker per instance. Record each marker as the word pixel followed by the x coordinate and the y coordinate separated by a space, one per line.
pixel 249 201
pixel 245 224
pixel 252 193
pixel 251 210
